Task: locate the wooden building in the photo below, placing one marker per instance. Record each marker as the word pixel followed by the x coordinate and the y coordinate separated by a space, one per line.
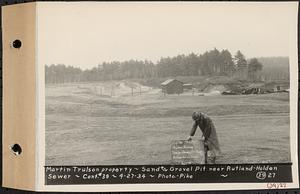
pixel 188 86
pixel 277 87
pixel 172 86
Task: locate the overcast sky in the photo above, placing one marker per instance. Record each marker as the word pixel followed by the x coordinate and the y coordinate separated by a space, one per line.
pixel 86 34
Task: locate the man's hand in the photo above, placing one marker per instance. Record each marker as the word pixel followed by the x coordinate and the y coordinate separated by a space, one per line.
pixel 189 138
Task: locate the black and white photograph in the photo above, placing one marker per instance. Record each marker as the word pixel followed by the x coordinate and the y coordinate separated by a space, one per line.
pixel 167 83
pixel 143 80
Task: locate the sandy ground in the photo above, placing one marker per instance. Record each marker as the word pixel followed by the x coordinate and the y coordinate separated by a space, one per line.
pixel 87 126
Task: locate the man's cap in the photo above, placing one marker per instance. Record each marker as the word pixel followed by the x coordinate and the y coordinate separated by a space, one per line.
pixel 196 116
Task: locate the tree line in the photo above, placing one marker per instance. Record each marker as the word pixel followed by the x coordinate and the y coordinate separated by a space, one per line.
pixel 210 63
pixel 275 68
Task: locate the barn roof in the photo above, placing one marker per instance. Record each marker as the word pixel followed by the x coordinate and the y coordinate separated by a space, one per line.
pixel 168 81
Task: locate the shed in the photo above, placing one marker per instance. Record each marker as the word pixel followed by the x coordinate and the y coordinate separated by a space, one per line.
pixel 277 87
pixel 282 87
pixel 172 86
pixel 188 86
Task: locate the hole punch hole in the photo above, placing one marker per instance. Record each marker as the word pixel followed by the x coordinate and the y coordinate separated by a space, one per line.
pixel 17 44
pixel 16 148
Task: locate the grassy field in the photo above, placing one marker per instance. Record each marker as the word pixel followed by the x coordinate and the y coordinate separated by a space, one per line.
pixel 93 124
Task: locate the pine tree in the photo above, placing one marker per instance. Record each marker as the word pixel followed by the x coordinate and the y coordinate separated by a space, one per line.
pixel 254 67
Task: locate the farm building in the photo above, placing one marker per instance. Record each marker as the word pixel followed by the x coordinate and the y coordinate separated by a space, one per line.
pixel 281 87
pixel 172 86
pixel 188 86
pixel 277 87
